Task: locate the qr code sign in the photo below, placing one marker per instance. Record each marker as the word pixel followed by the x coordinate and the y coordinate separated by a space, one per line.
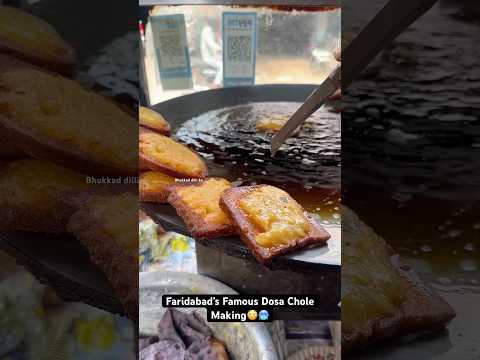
pixel 171 49
pixel 239 48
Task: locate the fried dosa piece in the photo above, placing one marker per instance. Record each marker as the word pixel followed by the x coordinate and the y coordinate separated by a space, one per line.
pixel 381 297
pixel 270 222
pixel 54 118
pixel 154 186
pixel 29 192
pixel 142 164
pixel 152 120
pixel 198 205
pixel 8 147
pixel 160 153
pixel 271 124
pixel 31 39
pixel 142 130
pixel 108 227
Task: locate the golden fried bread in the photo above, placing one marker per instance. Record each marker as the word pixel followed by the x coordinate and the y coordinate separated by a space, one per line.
pixel 381 297
pixel 142 165
pixel 108 227
pixel 160 153
pixel 29 192
pixel 153 186
pixel 29 38
pixel 142 130
pixel 8 147
pixel 270 222
pixel 271 124
pixel 54 118
pixel 152 120
pixel 198 205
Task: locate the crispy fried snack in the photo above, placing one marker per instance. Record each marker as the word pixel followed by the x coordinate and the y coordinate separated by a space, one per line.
pixel 198 205
pixel 153 186
pixel 54 118
pixel 31 39
pixel 270 222
pixel 160 153
pixel 29 192
pixel 108 227
pixel 271 125
pixel 381 297
pixel 152 120
pixel 8 147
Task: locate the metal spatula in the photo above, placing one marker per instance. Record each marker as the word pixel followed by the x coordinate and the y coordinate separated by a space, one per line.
pixel 312 104
pixel 394 18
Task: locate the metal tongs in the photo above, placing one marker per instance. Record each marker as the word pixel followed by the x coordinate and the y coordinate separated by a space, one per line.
pixel 392 20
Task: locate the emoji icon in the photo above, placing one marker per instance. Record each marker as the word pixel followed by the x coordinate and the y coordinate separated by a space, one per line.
pixel 264 315
pixel 252 315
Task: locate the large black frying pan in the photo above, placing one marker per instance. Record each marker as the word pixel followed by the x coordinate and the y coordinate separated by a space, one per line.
pixel 181 109
pixel 311 271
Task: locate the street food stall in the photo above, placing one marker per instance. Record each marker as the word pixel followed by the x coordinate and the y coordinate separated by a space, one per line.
pixel 225 78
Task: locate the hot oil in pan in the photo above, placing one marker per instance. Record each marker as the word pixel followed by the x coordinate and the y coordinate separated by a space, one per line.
pixel 307 166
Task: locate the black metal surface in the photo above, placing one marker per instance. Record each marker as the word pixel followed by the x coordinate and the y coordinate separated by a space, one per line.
pixel 183 108
pixel 316 258
pixel 170 221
